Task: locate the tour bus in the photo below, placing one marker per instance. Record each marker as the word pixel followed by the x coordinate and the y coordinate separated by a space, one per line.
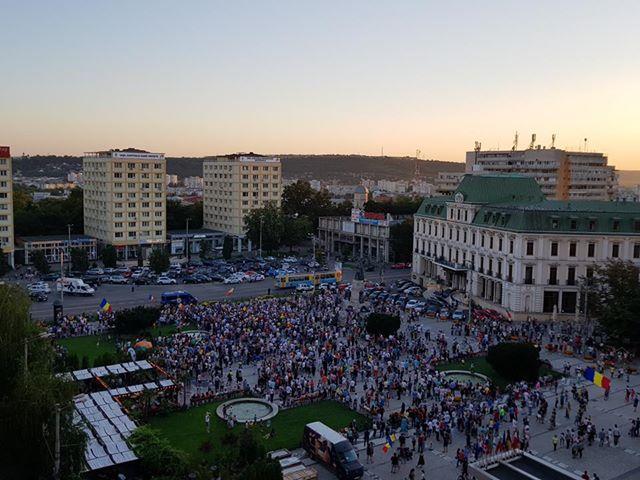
pixel 332 449
pixel 292 280
pixel 177 297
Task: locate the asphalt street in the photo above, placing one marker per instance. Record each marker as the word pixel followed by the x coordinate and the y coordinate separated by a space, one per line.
pixel 122 296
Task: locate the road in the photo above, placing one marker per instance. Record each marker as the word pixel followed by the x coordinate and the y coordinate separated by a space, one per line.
pixel 121 296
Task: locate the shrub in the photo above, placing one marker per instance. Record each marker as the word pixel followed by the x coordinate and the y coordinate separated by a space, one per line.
pixel 382 324
pixel 134 320
pixel 515 361
pixel 157 455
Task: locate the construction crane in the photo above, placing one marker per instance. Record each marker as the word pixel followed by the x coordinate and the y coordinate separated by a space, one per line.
pixel 515 142
pixel 533 141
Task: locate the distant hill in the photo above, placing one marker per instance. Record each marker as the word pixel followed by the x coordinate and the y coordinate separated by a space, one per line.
pixel 629 178
pixel 342 168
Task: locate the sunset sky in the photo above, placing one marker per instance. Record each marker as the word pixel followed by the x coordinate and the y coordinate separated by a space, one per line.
pixel 196 78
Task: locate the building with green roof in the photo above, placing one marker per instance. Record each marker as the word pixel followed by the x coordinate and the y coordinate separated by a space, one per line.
pixel 499 237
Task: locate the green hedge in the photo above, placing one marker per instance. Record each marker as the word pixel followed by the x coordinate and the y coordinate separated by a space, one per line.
pixel 382 324
pixel 515 361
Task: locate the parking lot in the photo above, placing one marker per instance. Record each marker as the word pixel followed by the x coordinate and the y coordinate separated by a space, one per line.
pixel 130 294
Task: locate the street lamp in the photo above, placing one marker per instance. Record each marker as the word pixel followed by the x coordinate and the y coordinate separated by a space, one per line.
pixel 69 225
pixel 186 240
pixel 469 264
pixel 260 247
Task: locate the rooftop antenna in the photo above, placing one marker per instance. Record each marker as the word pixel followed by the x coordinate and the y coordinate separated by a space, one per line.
pixel 553 140
pixel 382 151
pixel 478 146
pixel 533 141
pixel 416 173
pixel 515 142
pixel 585 144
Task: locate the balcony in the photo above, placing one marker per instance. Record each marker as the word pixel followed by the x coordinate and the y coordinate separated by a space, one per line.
pixel 571 281
pixel 449 265
pixel 552 281
pixel 529 281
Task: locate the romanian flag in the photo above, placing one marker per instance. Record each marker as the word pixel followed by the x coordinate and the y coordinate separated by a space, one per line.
pixel 105 306
pixel 390 439
pixel 229 292
pixel 597 378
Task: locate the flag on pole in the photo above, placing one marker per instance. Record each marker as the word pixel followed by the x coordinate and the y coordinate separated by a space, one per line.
pixel 152 298
pixel 597 378
pixel 105 306
pixel 229 292
pixel 387 446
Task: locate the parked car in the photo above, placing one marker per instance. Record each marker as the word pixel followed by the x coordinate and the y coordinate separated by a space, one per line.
pixel 38 296
pixel 459 315
pixel 304 287
pixel 117 280
pixel 166 281
pixel 94 271
pixel 42 287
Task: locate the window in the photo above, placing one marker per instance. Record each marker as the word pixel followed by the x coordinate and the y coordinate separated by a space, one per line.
pixel 572 249
pixel 592 225
pixel 636 250
pixel 615 250
pixel 591 250
pixel 616 225
pixel 553 275
pixel 571 276
pixel 511 246
pixel 589 272
pixel 555 223
pixel 554 249
pixel 573 224
pixel 529 248
pixel 528 275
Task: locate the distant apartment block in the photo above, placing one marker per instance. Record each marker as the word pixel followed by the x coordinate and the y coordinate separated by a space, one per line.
pixel 561 174
pixel 125 199
pixel 6 206
pixel 447 182
pixel 236 184
pixel 171 179
pixel 194 183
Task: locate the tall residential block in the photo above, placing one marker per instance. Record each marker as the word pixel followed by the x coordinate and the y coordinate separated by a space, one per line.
pixel 236 184
pixel 561 174
pixel 125 199
pixel 6 205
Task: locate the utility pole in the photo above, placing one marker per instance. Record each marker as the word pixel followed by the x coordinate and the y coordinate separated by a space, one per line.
pixel 187 240
pixel 261 218
pixel 56 465
pixel 469 280
pixel 68 249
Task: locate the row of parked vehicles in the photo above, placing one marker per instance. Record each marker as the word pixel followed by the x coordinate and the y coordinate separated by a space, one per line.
pixel 411 297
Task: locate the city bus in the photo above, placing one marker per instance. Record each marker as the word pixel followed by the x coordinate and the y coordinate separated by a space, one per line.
pixel 292 280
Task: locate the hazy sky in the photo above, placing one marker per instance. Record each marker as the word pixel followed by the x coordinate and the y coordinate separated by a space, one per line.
pixel 195 78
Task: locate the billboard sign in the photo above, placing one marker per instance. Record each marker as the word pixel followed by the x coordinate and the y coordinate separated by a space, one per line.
pixel 5 152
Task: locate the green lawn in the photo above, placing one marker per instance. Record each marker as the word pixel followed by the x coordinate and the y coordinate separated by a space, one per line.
pixel 186 430
pixel 91 346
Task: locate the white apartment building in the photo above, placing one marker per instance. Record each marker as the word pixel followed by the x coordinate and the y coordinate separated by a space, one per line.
pixel 393 186
pixel 499 238
pixel 125 199
pixel 6 206
pixel 194 183
pixel 447 182
pixel 171 179
pixel 236 184
pixel 561 174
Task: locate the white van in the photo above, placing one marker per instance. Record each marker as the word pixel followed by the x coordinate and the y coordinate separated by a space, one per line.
pixel 75 286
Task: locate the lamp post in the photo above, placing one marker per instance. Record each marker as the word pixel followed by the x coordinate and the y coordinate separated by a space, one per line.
pixel 186 240
pixel 469 286
pixel 260 247
pixel 69 225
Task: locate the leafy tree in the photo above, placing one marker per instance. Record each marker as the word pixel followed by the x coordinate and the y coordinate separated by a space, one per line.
pixel 401 239
pixel 297 230
pixel 302 200
pixel 159 260
pixel 177 213
pixel 49 216
pixel 79 259
pixel 515 361
pixel 136 319
pixel 158 457
pixel 382 324
pixel 109 256
pixel 4 265
pixel 272 228
pixel 614 299
pixel 399 206
pixel 227 247
pixel 39 260
pixel 28 398
pixel 205 248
